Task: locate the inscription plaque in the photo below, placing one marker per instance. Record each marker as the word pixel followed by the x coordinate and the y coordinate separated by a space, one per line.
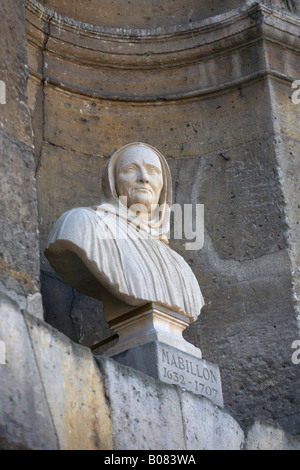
pixel 189 372
pixel 173 366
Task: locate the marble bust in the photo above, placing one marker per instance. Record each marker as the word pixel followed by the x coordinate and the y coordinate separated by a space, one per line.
pixel 118 251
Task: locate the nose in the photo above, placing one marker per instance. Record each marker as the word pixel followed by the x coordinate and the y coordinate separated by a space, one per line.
pixel 143 175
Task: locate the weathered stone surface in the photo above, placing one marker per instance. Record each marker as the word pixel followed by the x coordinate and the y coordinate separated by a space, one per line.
pixel 58 308
pixel 208 427
pixel 19 261
pixel 19 257
pixel 24 413
pixel 35 101
pixel 100 404
pixel 266 436
pixel 245 275
pixel 88 320
pixel 262 371
pixel 140 409
pixel 149 414
pixel 136 14
pixel 31 303
pixel 15 117
pixel 244 216
pixel 34 305
pixel 79 317
pixel 54 396
pixel 288 148
pixel 74 389
pixel 182 128
pixel 66 179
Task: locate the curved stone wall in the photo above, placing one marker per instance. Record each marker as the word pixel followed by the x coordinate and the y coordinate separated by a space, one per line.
pixel 152 13
pixel 142 15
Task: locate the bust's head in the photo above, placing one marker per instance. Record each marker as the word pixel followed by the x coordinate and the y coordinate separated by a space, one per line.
pixel 139 176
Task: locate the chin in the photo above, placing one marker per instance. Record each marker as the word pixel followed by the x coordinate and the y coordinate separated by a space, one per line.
pixel 142 198
pixel 142 201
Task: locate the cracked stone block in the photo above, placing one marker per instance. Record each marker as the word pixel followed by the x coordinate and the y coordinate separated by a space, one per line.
pixel 73 387
pixel 25 418
pixel 209 427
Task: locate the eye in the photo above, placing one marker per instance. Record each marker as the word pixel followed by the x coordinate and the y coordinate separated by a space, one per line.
pixel 153 170
pixel 129 169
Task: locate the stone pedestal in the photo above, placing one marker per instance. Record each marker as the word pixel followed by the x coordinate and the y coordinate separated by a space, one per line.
pixel 150 340
pixel 148 323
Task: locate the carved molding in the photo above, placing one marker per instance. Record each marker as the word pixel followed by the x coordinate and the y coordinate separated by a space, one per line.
pixel 190 46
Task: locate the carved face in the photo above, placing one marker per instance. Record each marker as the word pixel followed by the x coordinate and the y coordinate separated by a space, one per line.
pixel 139 177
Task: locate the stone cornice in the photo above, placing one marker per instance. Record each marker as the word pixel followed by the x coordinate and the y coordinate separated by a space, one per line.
pixel 64 39
pixel 171 97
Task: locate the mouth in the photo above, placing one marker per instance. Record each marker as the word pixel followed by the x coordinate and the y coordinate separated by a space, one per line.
pixel 143 188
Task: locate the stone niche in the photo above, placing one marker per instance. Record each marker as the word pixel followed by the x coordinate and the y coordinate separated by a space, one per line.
pixel 212 89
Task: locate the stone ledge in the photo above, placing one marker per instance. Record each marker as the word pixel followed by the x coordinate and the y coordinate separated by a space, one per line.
pixel 117 407
pixel 149 414
pixel 56 395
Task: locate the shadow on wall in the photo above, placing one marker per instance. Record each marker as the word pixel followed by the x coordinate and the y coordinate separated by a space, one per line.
pixel 79 317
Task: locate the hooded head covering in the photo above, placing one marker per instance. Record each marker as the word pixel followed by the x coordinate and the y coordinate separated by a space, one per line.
pixel 159 224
